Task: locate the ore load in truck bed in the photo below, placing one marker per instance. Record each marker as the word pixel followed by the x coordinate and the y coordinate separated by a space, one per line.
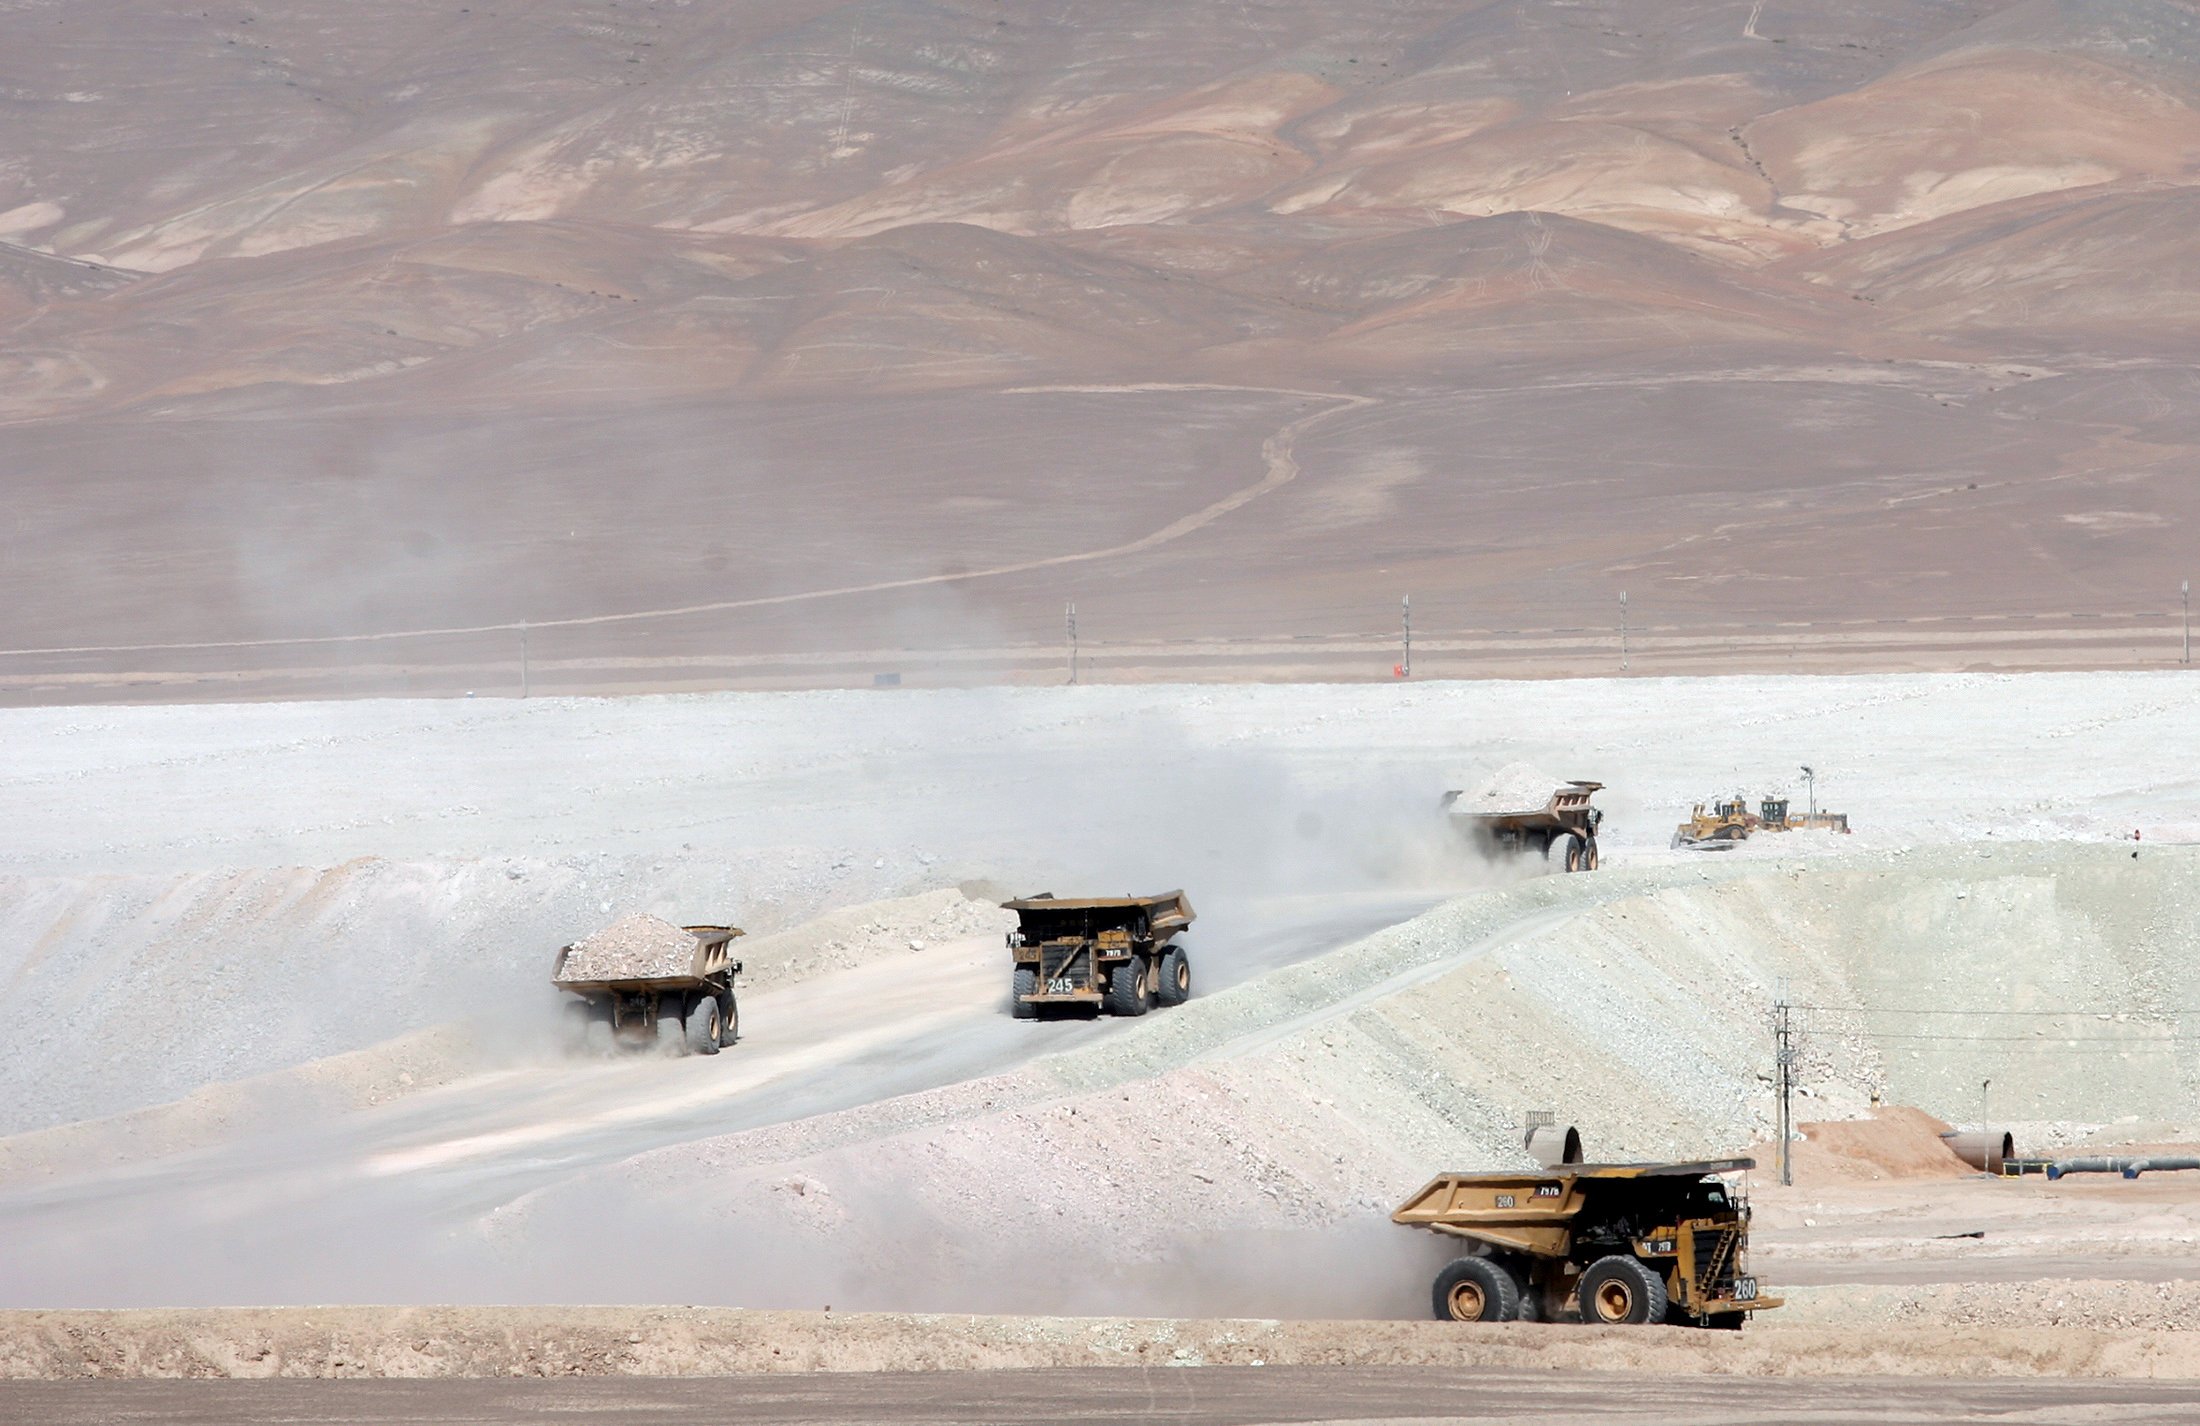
pixel 634 948
pixel 1516 790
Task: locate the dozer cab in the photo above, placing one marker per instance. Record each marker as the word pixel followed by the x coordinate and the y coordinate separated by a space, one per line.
pixel 1115 954
pixel 1598 1243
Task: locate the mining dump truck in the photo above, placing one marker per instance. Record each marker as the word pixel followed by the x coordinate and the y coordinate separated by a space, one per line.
pixel 1597 1243
pixel 643 981
pixel 1114 954
pixel 1522 811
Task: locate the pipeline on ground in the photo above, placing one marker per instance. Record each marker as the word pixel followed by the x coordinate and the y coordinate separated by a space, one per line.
pixel 2128 1167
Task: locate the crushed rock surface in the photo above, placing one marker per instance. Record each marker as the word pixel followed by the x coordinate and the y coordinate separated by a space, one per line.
pixel 431 1342
pixel 638 947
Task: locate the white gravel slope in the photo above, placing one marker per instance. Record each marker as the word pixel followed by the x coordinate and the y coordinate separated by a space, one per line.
pixel 190 896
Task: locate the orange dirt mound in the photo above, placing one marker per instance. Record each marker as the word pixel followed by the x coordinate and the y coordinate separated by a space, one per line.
pixel 1898 1142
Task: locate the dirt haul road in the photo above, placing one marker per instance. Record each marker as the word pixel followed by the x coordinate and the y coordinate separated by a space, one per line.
pixel 349 1097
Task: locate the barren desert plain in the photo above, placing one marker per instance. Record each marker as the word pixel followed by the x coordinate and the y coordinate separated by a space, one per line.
pixel 478 472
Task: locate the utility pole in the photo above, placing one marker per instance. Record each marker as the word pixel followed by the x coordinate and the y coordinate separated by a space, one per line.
pixel 1405 613
pixel 523 658
pixel 2184 588
pixel 1983 1086
pixel 1783 1040
pixel 1623 631
pixel 1810 785
pixel 1069 621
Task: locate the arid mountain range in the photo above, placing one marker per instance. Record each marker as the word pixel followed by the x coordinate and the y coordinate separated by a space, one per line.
pixel 863 330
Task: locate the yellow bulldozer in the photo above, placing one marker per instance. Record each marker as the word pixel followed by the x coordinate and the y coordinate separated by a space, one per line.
pixel 1730 820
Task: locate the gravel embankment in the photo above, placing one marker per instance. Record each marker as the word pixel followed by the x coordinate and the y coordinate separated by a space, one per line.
pixel 611 1341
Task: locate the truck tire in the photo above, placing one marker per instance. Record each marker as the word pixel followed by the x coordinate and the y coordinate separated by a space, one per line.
pixel 729 1020
pixel 1476 1290
pixel 671 1034
pixel 1127 988
pixel 1564 853
pixel 1621 1290
pixel 1173 986
pixel 1025 983
pixel 703 1025
pixel 573 1020
pixel 1588 855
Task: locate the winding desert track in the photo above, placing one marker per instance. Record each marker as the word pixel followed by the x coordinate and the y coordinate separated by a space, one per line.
pixel 1279 463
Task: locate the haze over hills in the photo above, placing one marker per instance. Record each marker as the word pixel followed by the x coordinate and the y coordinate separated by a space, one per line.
pixel 323 321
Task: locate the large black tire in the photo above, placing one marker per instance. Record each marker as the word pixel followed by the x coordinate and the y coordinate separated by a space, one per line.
pixel 671 1034
pixel 1588 855
pixel 729 1020
pixel 1564 853
pixel 1621 1290
pixel 1127 988
pixel 1475 1290
pixel 703 1025
pixel 1025 983
pixel 1173 981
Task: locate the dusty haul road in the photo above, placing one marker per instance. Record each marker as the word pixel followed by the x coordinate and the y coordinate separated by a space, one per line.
pixel 296 1195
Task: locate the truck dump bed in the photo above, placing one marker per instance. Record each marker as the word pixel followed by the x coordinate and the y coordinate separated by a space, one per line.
pixel 1046 917
pixel 1562 806
pixel 644 952
pixel 1451 1202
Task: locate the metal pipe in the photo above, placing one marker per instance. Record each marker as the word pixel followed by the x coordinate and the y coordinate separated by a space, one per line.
pixel 1551 1145
pixel 2128 1167
pixel 1985 1149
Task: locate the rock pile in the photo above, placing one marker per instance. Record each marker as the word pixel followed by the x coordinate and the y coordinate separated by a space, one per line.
pixel 638 947
pixel 1516 789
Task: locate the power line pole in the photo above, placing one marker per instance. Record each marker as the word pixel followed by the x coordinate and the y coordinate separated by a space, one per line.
pixel 2184 588
pixel 1783 1039
pixel 1069 621
pixel 1405 612
pixel 1623 631
pixel 523 658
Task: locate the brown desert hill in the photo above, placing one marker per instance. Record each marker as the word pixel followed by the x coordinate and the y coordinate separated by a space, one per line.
pixel 952 305
pixel 2103 270
pixel 31 280
pixel 1771 314
pixel 337 313
pixel 1979 124
pixel 1472 294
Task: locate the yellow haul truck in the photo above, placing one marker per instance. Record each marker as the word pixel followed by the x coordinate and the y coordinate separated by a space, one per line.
pixel 1601 1243
pixel 1110 953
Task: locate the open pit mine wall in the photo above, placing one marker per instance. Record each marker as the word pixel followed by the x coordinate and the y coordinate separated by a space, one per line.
pixel 1634 1001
